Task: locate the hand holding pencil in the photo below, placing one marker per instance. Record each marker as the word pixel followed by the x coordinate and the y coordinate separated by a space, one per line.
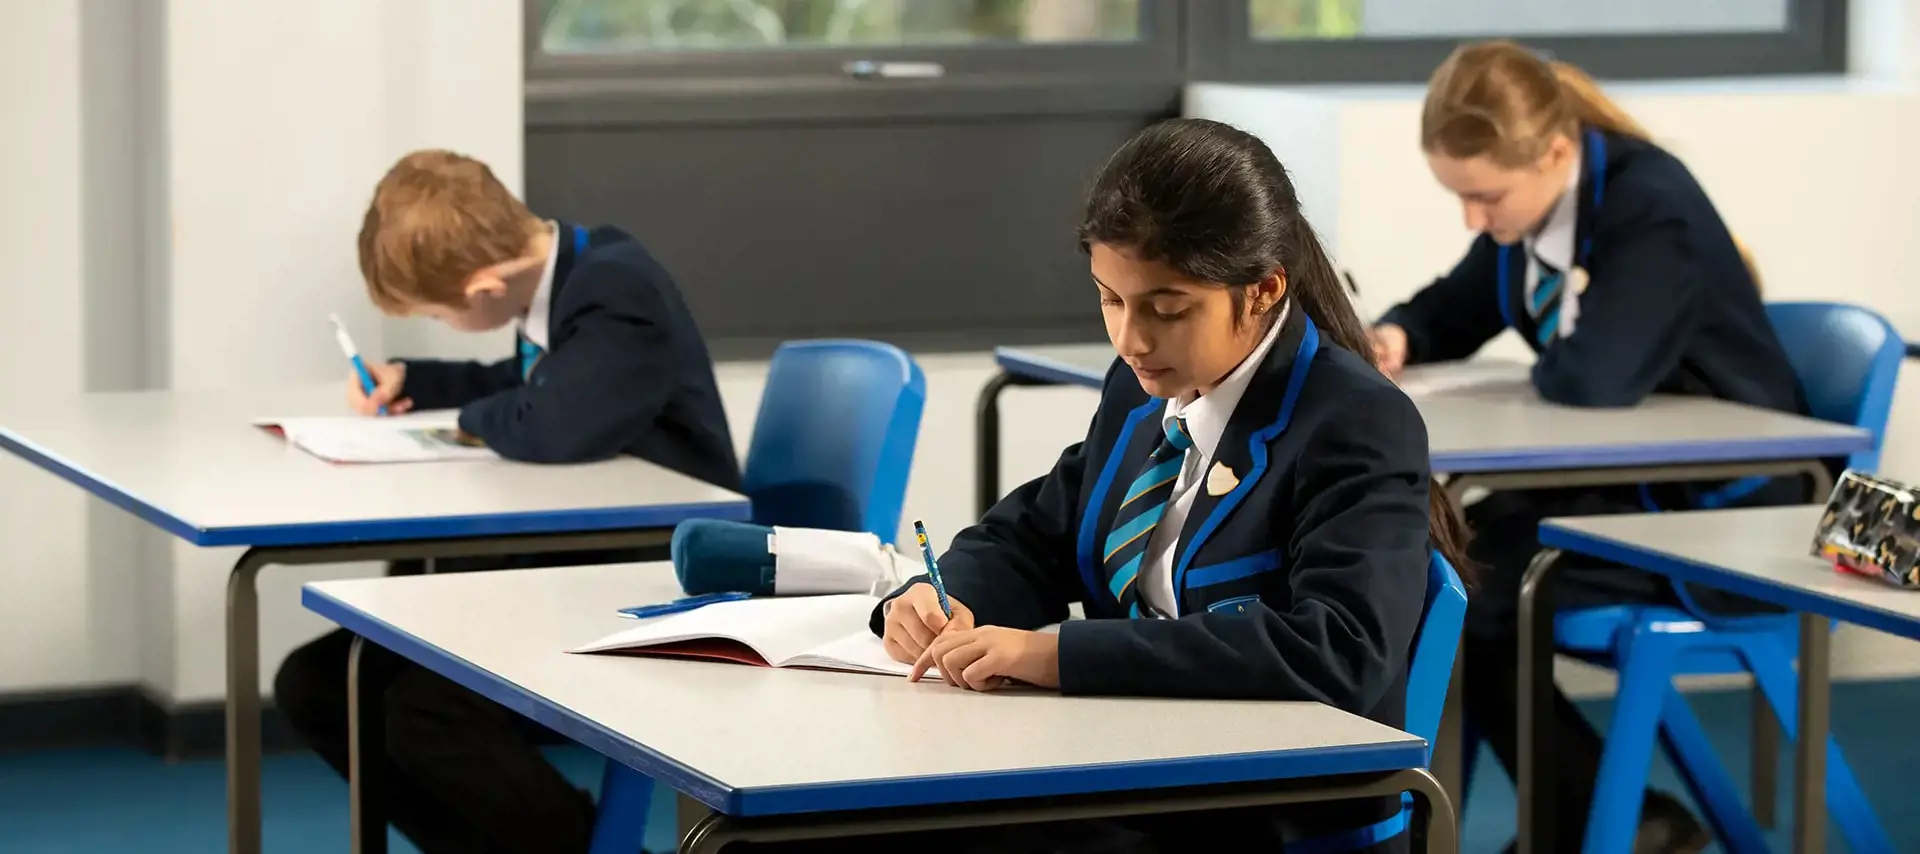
pixel 932 630
pixel 923 611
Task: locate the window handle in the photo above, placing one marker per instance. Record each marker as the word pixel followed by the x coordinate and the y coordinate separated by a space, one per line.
pixel 867 69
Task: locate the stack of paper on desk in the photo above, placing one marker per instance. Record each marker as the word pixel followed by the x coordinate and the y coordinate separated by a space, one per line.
pixel 818 632
pixel 1440 378
pixel 410 438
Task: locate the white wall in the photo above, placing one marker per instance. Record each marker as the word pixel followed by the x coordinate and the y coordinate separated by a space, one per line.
pixel 215 155
pixel 280 119
pixel 47 633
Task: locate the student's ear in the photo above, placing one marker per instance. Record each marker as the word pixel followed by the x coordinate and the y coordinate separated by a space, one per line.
pixel 492 281
pixel 1559 151
pixel 1267 293
pixel 486 284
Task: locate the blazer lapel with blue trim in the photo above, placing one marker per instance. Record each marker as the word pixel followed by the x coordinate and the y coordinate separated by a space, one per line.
pixel 1259 408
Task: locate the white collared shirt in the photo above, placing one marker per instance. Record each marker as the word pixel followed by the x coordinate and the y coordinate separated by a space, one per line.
pixel 540 313
pixel 1206 417
pixel 1553 243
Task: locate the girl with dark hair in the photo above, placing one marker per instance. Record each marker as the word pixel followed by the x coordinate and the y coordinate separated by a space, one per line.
pixel 1251 513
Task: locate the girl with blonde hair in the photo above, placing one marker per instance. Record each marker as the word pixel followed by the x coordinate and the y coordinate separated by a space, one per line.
pixel 1605 255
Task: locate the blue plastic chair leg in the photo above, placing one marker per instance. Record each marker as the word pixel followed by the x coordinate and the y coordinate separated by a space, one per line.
pixel 1646 676
pixel 1847 806
pixel 620 825
pixel 1707 779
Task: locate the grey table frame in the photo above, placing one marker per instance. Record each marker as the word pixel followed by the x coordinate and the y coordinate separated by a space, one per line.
pixel 723 800
pixel 1813 695
pixel 1449 764
pixel 78 438
pixel 243 705
pixel 1435 826
pixel 1537 821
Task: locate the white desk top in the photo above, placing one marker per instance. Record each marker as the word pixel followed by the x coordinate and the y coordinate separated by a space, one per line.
pixel 1506 426
pixel 1760 552
pixel 750 740
pixel 193 464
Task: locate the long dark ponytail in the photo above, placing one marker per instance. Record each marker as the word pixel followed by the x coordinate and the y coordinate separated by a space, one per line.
pixel 1212 202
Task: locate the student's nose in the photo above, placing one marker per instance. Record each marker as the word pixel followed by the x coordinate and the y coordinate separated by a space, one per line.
pixel 1129 337
pixel 1475 215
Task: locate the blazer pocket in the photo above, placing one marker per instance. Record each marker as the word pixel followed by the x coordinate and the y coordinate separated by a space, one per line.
pixel 1236 605
pixel 1233 570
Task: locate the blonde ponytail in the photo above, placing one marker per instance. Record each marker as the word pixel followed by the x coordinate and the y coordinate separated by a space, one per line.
pixel 1592 106
pixel 1499 100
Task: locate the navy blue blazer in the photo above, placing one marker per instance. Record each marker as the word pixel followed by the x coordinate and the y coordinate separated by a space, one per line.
pixel 626 371
pixel 1303 582
pixel 1669 308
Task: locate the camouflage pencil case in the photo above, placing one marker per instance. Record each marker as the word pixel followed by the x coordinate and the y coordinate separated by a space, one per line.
pixel 1871 527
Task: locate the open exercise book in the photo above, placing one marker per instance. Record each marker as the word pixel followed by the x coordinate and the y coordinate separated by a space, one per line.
pixel 819 632
pixel 411 438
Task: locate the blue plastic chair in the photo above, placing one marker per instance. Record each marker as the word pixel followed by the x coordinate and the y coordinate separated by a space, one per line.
pixel 1847 359
pixel 831 449
pixel 1429 675
pixel 1430 669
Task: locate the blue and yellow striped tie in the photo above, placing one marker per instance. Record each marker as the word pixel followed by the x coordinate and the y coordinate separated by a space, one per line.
pixel 530 354
pixel 1140 512
pixel 1545 302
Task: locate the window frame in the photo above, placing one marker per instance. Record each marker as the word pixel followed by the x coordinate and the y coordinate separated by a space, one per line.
pixel 1220 48
pixel 1181 42
pixel 1156 53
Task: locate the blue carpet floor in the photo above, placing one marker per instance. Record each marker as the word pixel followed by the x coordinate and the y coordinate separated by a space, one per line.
pixel 122 800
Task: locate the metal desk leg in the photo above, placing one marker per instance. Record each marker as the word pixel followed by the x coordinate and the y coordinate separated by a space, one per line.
pixel 1449 748
pixel 243 635
pixel 1810 750
pixel 1765 776
pixel 243 704
pixel 986 454
pixel 367 680
pixel 1534 786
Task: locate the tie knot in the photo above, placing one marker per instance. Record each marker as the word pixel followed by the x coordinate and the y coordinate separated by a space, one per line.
pixel 1177 435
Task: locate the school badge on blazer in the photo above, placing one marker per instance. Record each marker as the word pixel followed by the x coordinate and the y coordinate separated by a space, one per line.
pixel 1871 527
pixel 1577 280
pixel 1221 480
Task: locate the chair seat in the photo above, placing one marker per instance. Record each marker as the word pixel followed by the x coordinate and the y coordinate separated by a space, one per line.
pixel 1590 632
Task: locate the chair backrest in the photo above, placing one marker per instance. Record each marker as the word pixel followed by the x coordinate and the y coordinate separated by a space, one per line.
pixel 834 439
pixel 1431 670
pixel 1847 359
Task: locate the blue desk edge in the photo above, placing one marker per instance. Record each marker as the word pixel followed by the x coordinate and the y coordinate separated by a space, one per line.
pixel 1555 535
pixel 379 530
pixel 1026 365
pixel 877 794
pixel 1781 449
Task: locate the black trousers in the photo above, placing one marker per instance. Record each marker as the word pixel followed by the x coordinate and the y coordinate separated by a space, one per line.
pixel 1506 527
pixel 464 774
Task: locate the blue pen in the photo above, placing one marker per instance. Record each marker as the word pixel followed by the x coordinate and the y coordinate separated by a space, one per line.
pixel 641 612
pixel 367 384
pixel 933 568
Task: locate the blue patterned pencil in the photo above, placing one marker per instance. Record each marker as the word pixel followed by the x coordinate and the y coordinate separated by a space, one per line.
pixel 933 568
